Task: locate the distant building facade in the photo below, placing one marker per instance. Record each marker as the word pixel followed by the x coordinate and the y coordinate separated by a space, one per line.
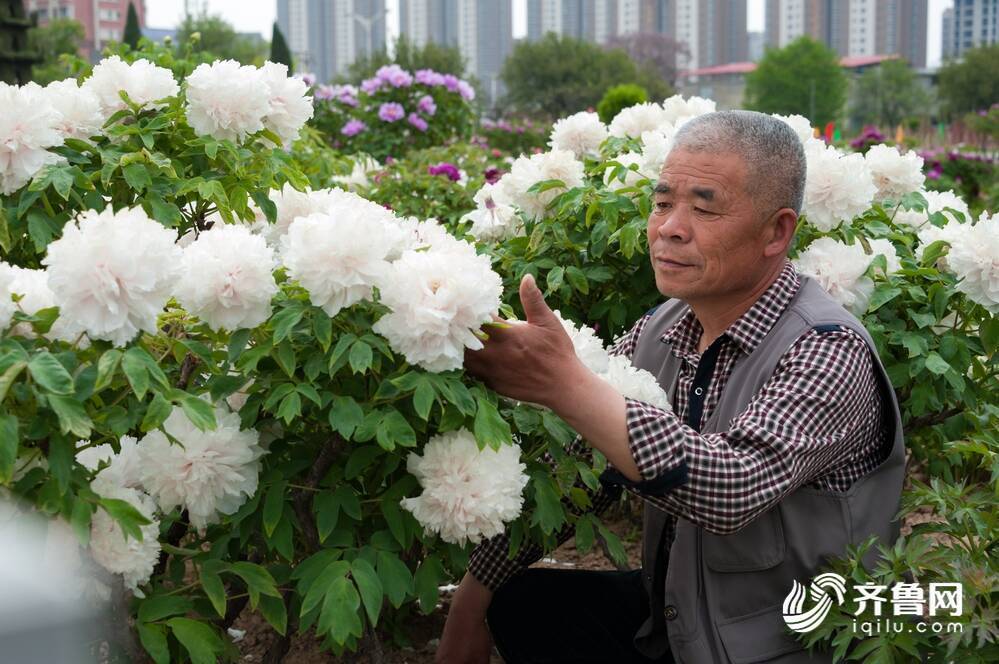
pixel 327 36
pixel 103 21
pixel 947 28
pixel 972 23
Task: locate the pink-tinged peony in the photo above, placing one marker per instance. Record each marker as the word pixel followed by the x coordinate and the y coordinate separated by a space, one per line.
pixel 324 92
pixel 429 77
pixel 226 100
pixel 308 78
pixel 134 559
pixel 581 134
pixel 122 469
pixel 468 494
pixel 226 278
pixel 450 171
pixel 974 258
pixel 111 273
pixel 353 128
pixel 417 122
pixel 390 111
pixel 838 186
pixel 451 82
pixel 347 95
pixel 143 82
pixel 32 286
pixel 210 473
pixel 466 91
pixel 894 174
pixel 80 109
pixel 29 125
pixel 395 76
pixel 426 105
pixel 290 108
pixel 371 85
pixel 841 270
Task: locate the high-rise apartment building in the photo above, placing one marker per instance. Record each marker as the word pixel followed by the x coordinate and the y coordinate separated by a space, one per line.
pixel 947 28
pixel 853 27
pixel 326 36
pixel 103 21
pixel 481 29
pixel 974 23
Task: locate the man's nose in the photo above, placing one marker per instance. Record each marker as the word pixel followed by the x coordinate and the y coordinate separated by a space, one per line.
pixel 676 227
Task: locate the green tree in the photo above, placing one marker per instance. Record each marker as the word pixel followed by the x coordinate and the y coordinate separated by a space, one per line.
pixel 561 75
pixel 971 84
pixel 804 78
pixel 132 31
pixel 279 48
pixel 60 36
pixel 887 95
pixel 221 40
pixel 440 58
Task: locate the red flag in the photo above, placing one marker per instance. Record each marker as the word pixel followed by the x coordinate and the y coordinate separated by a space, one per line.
pixel 830 128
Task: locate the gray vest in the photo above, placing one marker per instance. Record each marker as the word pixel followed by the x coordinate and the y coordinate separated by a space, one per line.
pixel 721 598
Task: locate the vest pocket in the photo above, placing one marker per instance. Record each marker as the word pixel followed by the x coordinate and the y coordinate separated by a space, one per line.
pixel 758 636
pixel 758 546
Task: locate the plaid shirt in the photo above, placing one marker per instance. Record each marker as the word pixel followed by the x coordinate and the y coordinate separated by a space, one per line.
pixel 817 422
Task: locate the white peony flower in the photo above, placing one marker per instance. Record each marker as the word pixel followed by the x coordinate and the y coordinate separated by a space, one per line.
pixel 7 304
pixel 468 494
pixel 656 146
pixel 838 186
pixel 29 125
pixel 894 174
pixel 226 100
pixel 635 383
pixel 33 288
pixel 79 108
pixel 142 81
pixel 635 120
pixel 528 171
pixel 359 175
pixel 494 218
pixel 111 273
pixel 884 247
pixel 341 254
pixel 133 559
pixel 580 134
pixel 936 201
pixel 631 177
pixel 974 259
pixel 800 124
pixel 929 234
pixel 226 278
pixel 209 474
pixel 290 107
pixel 840 269
pixel 677 109
pixel 588 346
pixel 123 469
pixel 438 299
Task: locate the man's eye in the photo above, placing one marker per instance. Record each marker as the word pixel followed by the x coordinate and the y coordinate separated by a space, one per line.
pixel 664 205
pixel 702 211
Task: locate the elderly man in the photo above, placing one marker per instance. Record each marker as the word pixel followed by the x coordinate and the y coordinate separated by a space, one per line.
pixel 783 446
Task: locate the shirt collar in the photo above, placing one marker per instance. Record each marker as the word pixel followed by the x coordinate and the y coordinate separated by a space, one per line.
pixel 750 328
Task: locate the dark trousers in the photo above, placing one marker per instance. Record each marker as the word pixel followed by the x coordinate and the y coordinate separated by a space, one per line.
pixel 545 616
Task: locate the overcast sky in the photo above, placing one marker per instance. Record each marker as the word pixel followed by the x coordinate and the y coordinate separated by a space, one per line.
pixel 258 15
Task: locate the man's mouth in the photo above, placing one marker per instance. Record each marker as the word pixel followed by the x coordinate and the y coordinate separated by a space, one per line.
pixel 670 264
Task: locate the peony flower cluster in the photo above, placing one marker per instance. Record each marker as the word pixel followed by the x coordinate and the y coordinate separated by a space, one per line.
pixel 32 287
pixel 79 109
pixel 838 186
pixel 945 202
pixel 580 134
pixel 801 126
pixel 229 101
pixel 111 273
pixel 226 278
pixel 974 259
pixel 209 474
pixel 841 270
pixel 526 171
pixel 635 120
pixel 29 126
pixel 894 174
pixel 143 82
pixel 468 494
pixel 678 110
pixel 494 218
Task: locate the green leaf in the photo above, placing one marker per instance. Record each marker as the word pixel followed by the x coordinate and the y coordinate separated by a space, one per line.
pixel 327 509
pixel 337 569
pixel 396 578
pixel 339 616
pixel 201 642
pixel 490 428
pixel 426 583
pixel 614 545
pixel 41 230
pixel 50 374
pixel 137 176
pixel 199 411
pixel 290 408
pixel 72 415
pixel 345 415
pixel 154 640
pixel 349 501
pixel 9 376
pixel 933 252
pixel 989 330
pixel 322 326
pixel 359 459
pixel 258 581
pixel 8 447
pixel 584 533
pixel 393 429
pixel 273 507
pixel 285 357
pixel 159 409
pixel 60 457
pixel 107 366
pixel 577 279
pixel 937 364
pixel 275 612
pixel 370 587
pixel 549 513
pixel 310 393
pixel 554 279
pixel 212 584
pixel 237 342
pixel 164 606
pixel 423 398
pixel 285 321
pixel 129 518
pixel 360 357
pixel 394 519
pixel 135 370
pixel 882 296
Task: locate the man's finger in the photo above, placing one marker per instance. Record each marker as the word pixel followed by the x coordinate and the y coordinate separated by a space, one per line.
pixel 533 301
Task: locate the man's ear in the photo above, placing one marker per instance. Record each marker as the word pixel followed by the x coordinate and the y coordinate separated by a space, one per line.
pixel 780 229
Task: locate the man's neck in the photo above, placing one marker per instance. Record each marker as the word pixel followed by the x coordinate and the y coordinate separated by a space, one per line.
pixel 716 315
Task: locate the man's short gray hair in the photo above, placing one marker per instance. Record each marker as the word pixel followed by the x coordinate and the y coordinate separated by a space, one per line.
pixel 772 151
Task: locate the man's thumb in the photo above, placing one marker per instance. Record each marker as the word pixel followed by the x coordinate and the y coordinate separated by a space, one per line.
pixel 533 301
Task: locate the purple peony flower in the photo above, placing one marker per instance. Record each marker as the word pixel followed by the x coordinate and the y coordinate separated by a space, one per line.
pixel 353 128
pixel 429 77
pixel 466 91
pixel 450 171
pixel 371 85
pixel 395 76
pixel 324 93
pixel 391 111
pixel 417 121
pixel 492 175
pixel 308 78
pixel 451 82
pixel 426 105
